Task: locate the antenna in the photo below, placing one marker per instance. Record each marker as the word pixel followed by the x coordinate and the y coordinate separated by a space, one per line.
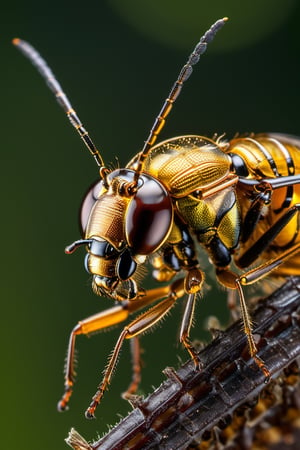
pixel 35 58
pixel 184 74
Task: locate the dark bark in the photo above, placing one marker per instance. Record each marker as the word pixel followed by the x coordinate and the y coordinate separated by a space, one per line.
pixel 227 405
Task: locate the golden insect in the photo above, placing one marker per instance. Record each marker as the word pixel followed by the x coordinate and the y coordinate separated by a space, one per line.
pixel 235 199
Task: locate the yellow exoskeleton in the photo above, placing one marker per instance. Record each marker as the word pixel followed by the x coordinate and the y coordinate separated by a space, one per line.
pixel 238 200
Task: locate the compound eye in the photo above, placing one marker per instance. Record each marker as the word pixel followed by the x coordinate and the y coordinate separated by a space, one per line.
pixel 149 217
pixel 102 248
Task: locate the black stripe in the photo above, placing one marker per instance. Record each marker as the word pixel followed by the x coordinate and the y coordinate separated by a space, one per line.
pixel 266 154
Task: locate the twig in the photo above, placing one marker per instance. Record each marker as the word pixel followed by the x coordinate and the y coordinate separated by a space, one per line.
pixel 191 408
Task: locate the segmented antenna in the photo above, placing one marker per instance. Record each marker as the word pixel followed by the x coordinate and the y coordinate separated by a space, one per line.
pixel 184 74
pixel 43 68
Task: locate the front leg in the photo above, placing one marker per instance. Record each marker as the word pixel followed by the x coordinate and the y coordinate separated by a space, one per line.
pixel 191 284
pixel 113 316
pixel 98 321
pixel 135 328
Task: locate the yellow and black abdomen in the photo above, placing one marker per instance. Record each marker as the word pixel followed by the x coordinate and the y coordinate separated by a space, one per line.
pixel 269 156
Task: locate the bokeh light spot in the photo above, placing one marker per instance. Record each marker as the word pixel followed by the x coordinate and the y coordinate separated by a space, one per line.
pixel 179 24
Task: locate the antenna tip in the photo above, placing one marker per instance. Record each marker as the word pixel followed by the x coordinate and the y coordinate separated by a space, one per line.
pixel 16 41
pixel 225 19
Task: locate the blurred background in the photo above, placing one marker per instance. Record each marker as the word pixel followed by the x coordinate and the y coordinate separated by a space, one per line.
pixel 116 60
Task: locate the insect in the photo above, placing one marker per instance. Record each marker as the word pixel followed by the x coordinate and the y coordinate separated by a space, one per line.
pixel 236 200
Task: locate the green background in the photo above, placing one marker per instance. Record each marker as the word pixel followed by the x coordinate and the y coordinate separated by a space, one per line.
pixel 116 61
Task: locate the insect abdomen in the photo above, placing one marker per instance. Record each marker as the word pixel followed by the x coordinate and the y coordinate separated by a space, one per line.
pixel 270 156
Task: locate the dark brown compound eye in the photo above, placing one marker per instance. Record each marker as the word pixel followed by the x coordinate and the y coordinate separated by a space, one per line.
pixel 149 217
